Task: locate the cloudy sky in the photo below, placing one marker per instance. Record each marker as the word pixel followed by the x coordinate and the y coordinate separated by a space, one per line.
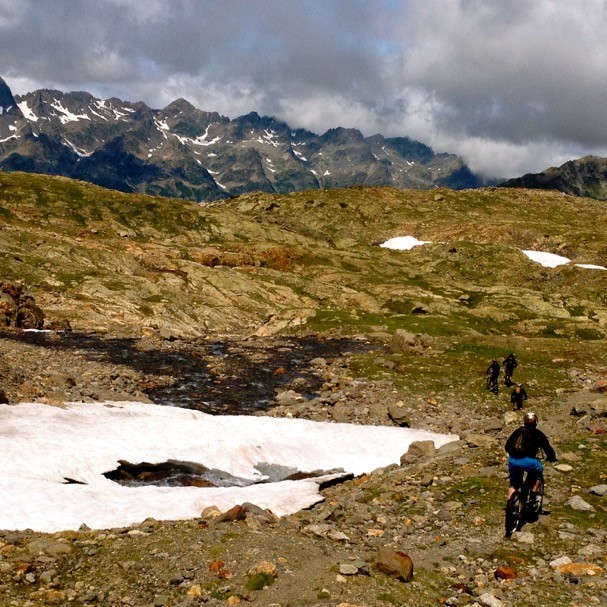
pixel 513 86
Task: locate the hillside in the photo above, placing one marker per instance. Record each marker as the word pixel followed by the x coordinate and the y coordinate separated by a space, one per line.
pixel 582 177
pixel 105 259
pixel 286 305
pixel 186 152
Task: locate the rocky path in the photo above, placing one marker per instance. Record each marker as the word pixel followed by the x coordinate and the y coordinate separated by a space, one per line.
pixel 443 509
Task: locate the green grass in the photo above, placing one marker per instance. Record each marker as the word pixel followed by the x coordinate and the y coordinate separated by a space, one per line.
pixel 259 581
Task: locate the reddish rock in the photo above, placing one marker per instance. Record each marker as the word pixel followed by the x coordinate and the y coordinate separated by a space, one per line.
pixel 579 569
pixel 236 513
pixel 599 386
pixel 505 572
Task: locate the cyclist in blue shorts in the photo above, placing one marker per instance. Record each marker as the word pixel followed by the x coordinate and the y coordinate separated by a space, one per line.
pixel 522 447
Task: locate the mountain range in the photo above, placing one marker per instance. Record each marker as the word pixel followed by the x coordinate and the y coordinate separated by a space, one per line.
pixel 185 152
pixel 582 177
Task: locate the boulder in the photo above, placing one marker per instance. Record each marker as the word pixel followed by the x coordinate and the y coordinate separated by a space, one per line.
pixel 418 450
pixel 405 341
pixel 394 563
pixel 18 308
pixel 399 414
pixel 236 513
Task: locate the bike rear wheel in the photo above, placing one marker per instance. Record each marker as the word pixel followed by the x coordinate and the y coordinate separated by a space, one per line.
pixel 536 500
pixel 514 513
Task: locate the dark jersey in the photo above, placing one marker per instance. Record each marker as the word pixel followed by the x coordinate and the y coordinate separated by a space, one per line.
pixel 526 442
pixel 518 397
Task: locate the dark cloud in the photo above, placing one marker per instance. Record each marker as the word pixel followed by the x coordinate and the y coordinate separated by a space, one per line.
pixel 512 86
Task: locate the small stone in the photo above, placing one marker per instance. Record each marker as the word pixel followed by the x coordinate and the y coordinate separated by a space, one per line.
pixel 263 568
pixel 489 600
pixel 195 591
pixel 211 512
pixel 523 537
pixel 347 569
pixel 563 467
pixel 562 560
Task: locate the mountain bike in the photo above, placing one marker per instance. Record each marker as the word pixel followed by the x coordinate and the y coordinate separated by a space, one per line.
pixel 492 384
pixel 525 504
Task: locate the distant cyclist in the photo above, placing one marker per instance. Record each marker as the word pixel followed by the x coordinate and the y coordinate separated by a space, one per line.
pixel 517 396
pixel 493 371
pixel 522 447
pixel 510 365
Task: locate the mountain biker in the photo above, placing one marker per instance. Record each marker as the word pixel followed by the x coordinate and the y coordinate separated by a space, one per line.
pixel 517 396
pixel 522 447
pixel 493 369
pixel 510 365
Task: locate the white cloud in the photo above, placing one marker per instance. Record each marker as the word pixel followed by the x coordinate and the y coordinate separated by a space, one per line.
pixel 512 86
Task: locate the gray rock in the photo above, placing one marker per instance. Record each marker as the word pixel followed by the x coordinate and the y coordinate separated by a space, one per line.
pixel 417 450
pixel 598 490
pixel 399 414
pixel 289 398
pixel 578 503
pixel 405 341
pixel 348 569
pixel 490 600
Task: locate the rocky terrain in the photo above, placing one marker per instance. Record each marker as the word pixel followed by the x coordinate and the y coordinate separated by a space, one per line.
pixel 186 152
pixel 443 509
pixel 287 306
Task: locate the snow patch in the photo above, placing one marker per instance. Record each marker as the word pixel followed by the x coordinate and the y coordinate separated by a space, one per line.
pixel 590 266
pixel 67 116
pixel 27 112
pixel 403 243
pixel 42 446
pixel 548 260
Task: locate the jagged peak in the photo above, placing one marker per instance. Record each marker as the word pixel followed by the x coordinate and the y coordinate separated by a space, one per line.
pixel 181 104
pixel 6 96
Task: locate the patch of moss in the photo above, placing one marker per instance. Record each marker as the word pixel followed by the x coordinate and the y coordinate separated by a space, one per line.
pixel 259 581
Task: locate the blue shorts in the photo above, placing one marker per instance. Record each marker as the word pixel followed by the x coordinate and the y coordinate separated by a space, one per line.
pixel 517 467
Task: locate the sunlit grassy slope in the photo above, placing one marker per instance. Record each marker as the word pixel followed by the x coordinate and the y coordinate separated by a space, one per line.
pixel 312 261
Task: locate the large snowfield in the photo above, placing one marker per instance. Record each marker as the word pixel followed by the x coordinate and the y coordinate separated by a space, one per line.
pixel 42 446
